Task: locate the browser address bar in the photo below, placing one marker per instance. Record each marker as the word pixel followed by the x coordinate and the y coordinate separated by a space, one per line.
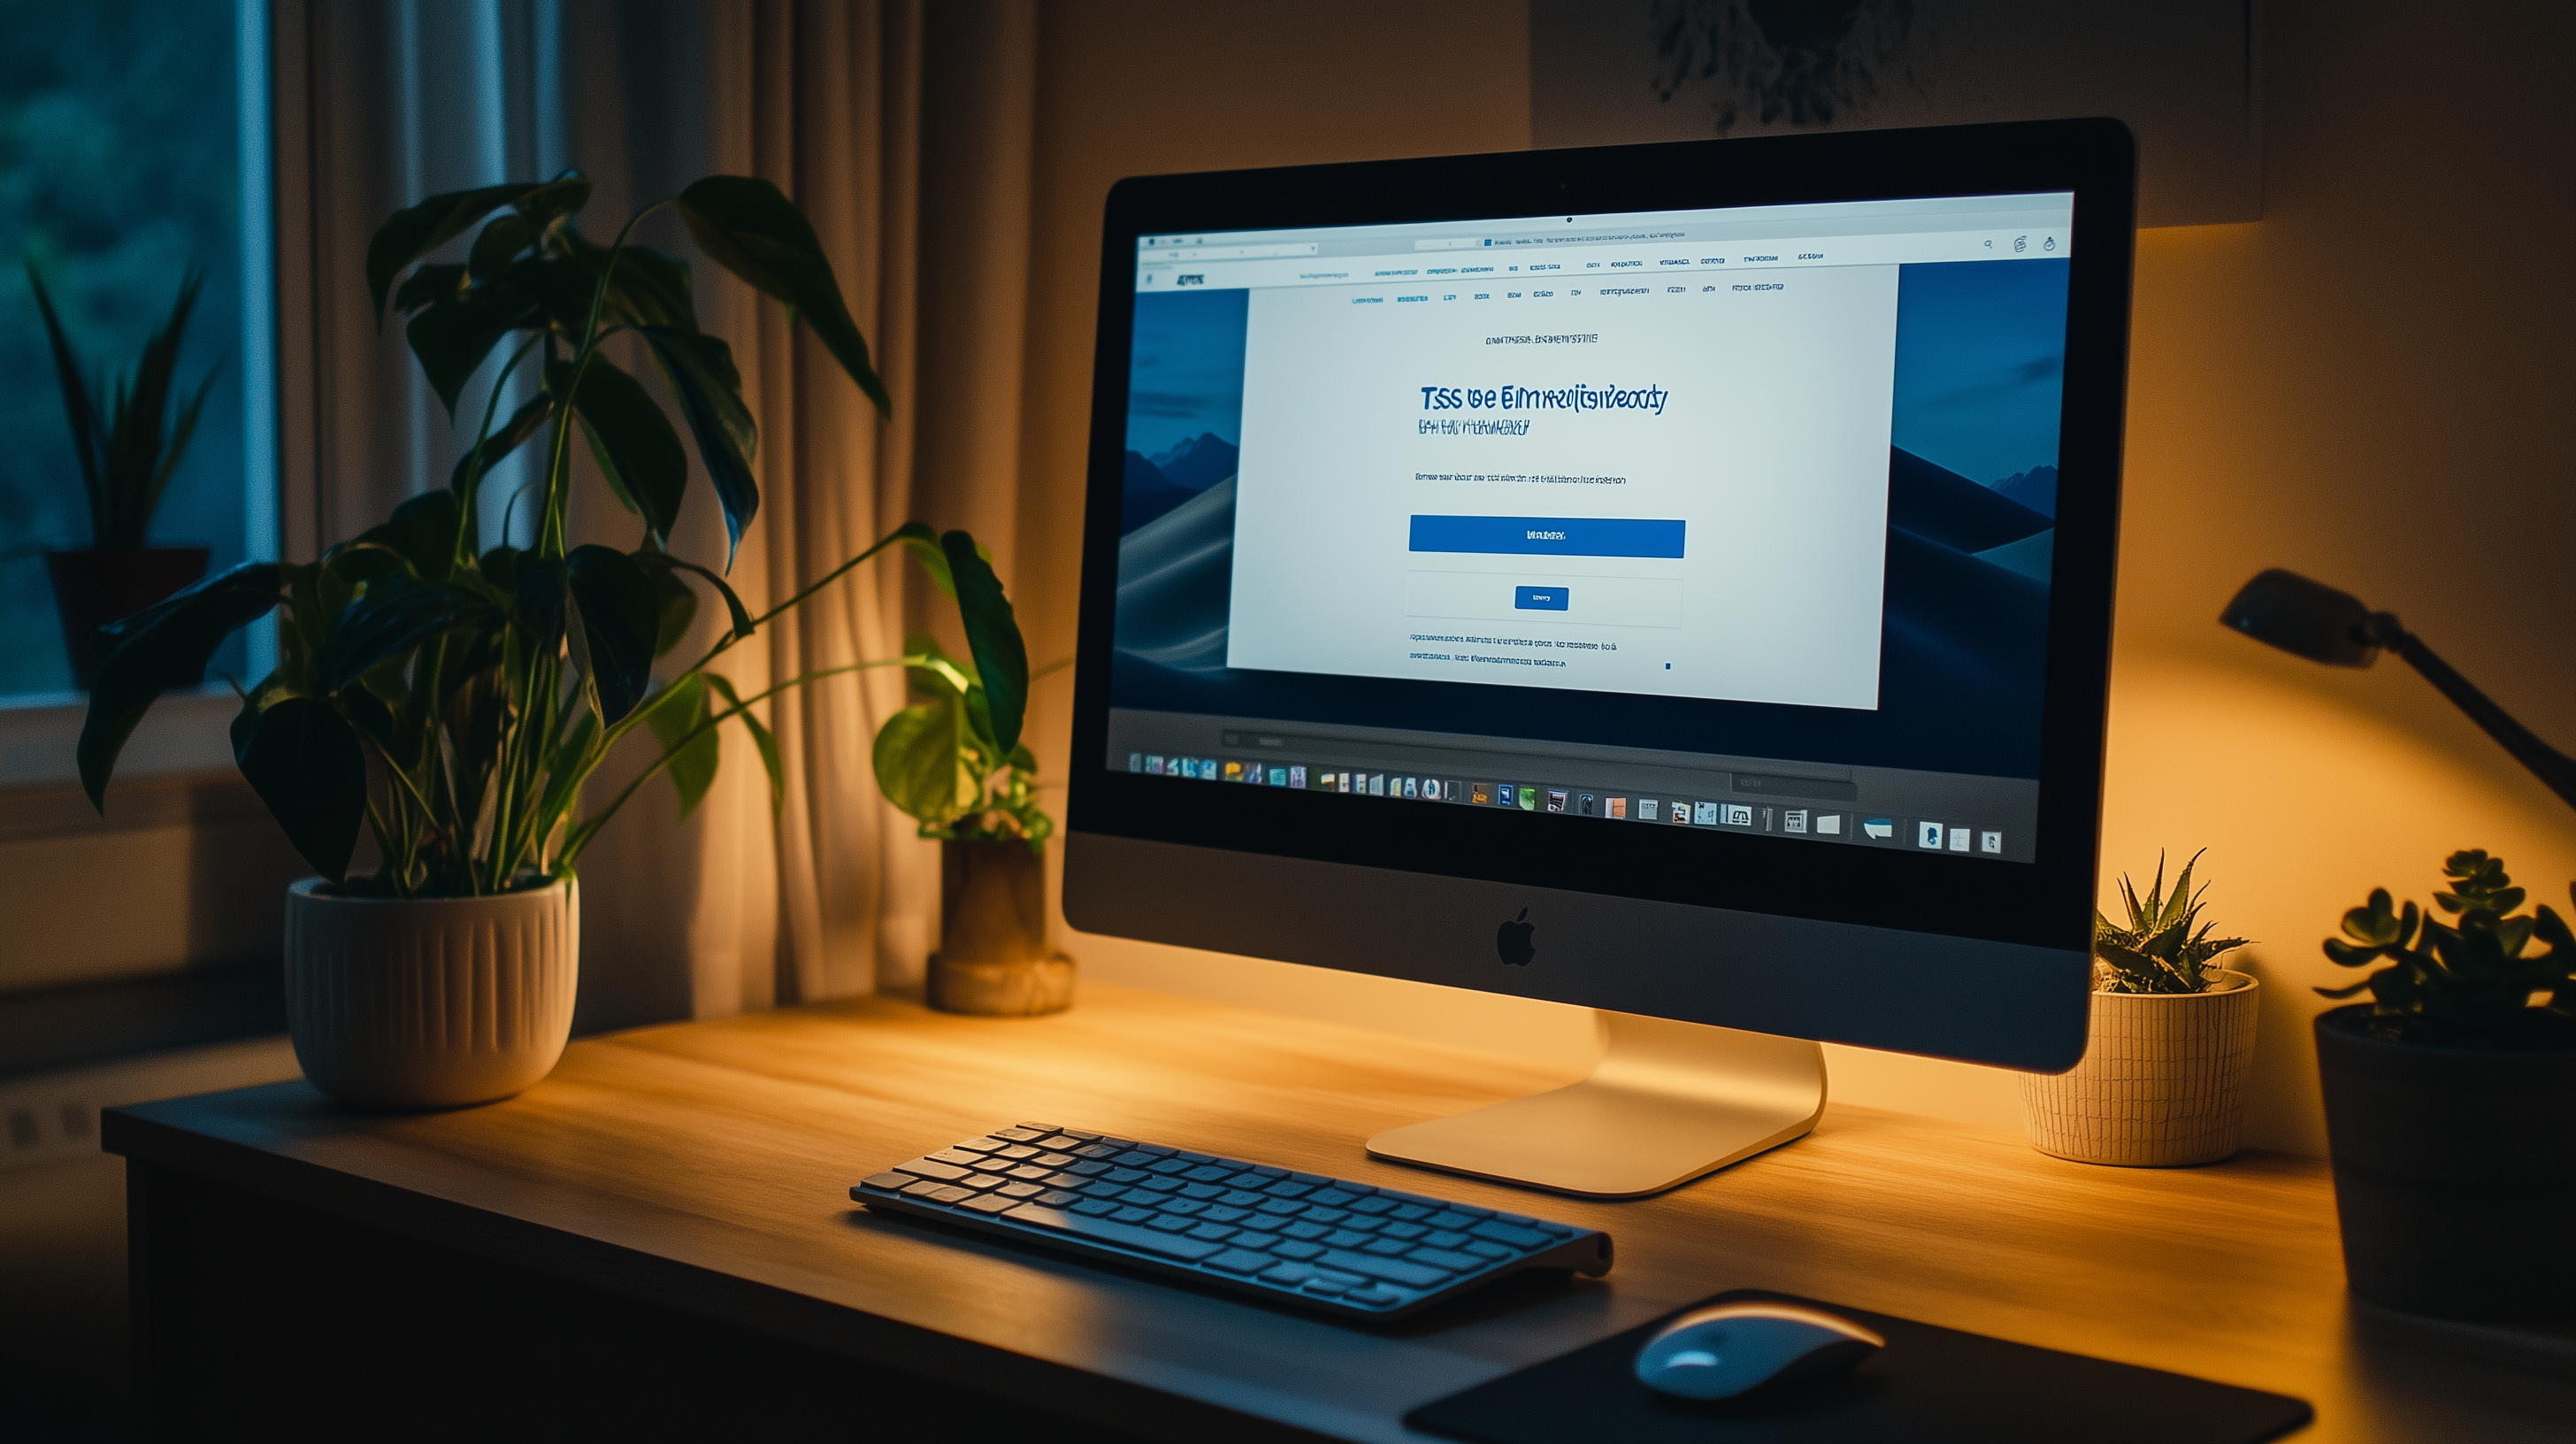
pixel 1229 253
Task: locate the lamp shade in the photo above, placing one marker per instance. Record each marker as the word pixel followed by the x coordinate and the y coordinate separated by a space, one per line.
pixel 2305 618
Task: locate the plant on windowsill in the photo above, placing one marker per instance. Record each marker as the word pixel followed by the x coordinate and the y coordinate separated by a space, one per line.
pixel 945 763
pixel 450 693
pixel 2451 1097
pixel 2171 1042
pixel 126 460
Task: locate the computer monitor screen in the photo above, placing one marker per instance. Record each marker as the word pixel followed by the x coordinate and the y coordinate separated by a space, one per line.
pixel 1698 556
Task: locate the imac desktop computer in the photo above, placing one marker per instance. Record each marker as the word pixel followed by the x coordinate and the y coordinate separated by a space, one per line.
pixel 1673 580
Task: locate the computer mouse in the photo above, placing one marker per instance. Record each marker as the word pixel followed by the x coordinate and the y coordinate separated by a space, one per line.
pixel 1726 1349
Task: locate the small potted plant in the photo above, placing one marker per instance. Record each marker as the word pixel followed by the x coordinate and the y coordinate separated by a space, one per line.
pixel 449 693
pixel 953 761
pixel 2162 1081
pixel 2451 1100
pixel 126 460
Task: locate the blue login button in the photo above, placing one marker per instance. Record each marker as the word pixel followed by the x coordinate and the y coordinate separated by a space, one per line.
pixel 1539 599
pixel 1548 536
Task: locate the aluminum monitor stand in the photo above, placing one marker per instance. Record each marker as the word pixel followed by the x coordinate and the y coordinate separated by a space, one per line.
pixel 1667 1102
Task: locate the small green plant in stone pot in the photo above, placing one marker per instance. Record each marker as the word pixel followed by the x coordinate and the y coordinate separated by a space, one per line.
pixel 2164 1072
pixel 2451 1099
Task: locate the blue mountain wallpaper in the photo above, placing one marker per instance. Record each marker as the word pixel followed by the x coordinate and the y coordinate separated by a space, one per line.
pixel 1972 497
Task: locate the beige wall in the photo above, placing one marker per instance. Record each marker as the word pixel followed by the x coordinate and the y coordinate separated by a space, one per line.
pixel 2361 386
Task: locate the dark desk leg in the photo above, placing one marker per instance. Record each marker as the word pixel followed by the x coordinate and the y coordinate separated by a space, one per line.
pixel 257 1318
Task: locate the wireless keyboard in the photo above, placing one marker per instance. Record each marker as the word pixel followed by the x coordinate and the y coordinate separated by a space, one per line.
pixel 1346 1249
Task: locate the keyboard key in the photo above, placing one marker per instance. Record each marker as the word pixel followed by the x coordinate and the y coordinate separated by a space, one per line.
pixel 1022 1134
pixel 1095 1208
pixel 1334 1197
pixel 1324 1215
pixel 1267 1172
pixel 1018 1190
pixel 1058 1198
pixel 1052 1160
pixel 990 1203
pixel 1201 1191
pixel 1137 1158
pixel 890 1181
pixel 1214 1232
pixel 1332 1276
pixel 1446 1258
pixel 1099 1152
pixel 1559 1229
pixel 1133 1215
pixel 1411 1211
pixel 1481 1249
pixel 1062 1180
pixel 1362 1223
pixel 1093 1169
pixel 1188 1157
pixel 1390 1247
pixel 1404 1230
pixel 1155 1149
pixel 1452 1220
pixel 1017 1150
pixel 1251 1178
pixel 1446 1238
pixel 1305 1230
pixel 1471 1210
pixel 1374 1205
pixel 1126 1175
pixel 1283 1207
pixel 1170 1165
pixel 975 1145
pixel 1160 1183
pixel 1208 1174
pixel 981 1181
pixel 1061 1140
pixel 1171 1222
pixel 1124 1235
pixel 944 1172
pixel 1241 1199
pixel 1311 1180
pixel 1078 1133
pixel 1344 1238
pixel 957 1156
pixel 1511 1233
pixel 1287 1188
pixel 1039 1127
pixel 1241 1261
pixel 1287 1275
pixel 1030 1172
pixel 931 1188
pixel 1411 1275
pixel 1185 1207
pixel 1255 1240
pixel 1219 1213
pixel 1298 1251
pixel 1376 1298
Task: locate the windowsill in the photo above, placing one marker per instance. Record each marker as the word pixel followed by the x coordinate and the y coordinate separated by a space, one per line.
pixel 184 732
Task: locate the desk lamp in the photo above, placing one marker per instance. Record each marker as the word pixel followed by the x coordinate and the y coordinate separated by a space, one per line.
pixel 2313 620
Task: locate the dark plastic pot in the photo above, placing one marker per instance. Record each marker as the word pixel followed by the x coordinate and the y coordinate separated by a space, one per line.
pixel 93 588
pixel 2453 1166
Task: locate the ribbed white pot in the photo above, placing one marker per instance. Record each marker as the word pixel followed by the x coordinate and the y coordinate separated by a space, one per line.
pixel 430 1002
pixel 2162 1082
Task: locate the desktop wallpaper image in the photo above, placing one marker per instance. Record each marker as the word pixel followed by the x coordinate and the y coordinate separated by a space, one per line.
pixel 1972 493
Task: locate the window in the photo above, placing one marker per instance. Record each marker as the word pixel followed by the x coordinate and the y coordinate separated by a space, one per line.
pixel 133 144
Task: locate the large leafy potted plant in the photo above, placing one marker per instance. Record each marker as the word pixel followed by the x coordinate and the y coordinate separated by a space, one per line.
pixel 2451 1100
pixel 2162 1081
pixel 449 693
pixel 128 441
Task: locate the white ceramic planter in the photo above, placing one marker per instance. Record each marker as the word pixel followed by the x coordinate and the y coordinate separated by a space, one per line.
pixel 430 1003
pixel 2162 1082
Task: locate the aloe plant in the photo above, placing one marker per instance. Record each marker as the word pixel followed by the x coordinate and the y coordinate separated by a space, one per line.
pixel 2164 947
pixel 2477 975
pixel 126 458
pixel 451 697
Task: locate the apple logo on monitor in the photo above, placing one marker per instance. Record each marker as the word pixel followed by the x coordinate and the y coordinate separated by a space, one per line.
pixel 1512 940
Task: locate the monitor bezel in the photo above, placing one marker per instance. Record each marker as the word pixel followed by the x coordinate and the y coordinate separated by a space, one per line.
pixel 2047 903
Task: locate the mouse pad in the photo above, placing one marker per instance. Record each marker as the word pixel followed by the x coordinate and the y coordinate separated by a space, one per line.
pixel 1929 1383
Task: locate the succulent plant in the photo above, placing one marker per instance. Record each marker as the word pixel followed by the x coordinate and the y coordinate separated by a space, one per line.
pixel 2478 974
pixel 2165 948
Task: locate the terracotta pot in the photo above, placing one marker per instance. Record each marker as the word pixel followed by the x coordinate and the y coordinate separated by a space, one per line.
pixel 2161 1084
pixel 93 588
pixel 993 956
pixel 430 1002
pixel 2454 1161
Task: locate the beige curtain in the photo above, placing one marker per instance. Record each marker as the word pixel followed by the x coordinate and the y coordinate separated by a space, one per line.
pixel 903 132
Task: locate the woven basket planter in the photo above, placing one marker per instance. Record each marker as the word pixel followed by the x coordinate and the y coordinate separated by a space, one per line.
pixel 2162 1083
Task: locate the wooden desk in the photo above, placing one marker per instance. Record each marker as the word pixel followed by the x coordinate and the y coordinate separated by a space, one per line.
pixel 658 1238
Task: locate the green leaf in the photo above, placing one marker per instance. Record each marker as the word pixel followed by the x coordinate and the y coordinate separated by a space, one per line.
pixel 754 231
pixel 701 374
pixel 77 409
pixel 694 759
pixel 303 760
pixel 503 240
pixel 761 738
pixel 394 617
pixel 650 287
pixel 629 437
pixel 676 605
pixel 165 645
pixel 1001 660
pixel 451 338
pixel 620 616
pixel 414 232
pixel 525 422
pixel 915 757
pixel 422 531
pixel 662 564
